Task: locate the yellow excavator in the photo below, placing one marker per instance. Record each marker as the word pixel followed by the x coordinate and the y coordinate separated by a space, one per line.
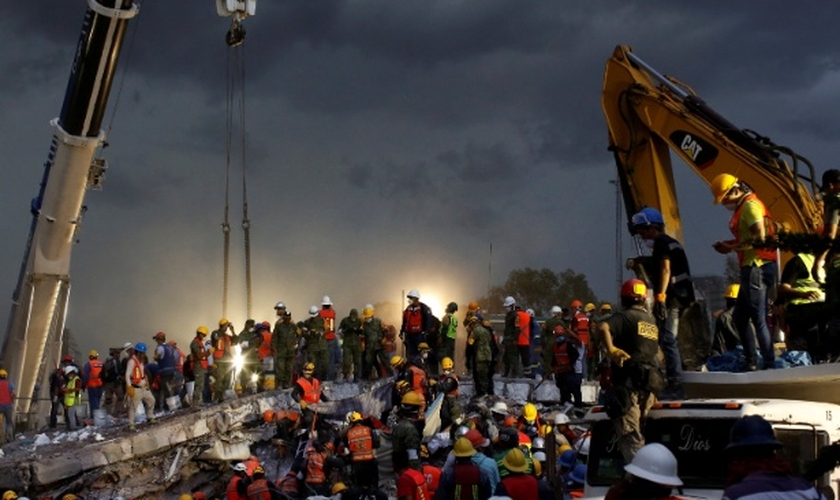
pixel 649 114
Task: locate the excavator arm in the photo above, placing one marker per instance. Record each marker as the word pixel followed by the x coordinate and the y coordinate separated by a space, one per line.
pixel 649 115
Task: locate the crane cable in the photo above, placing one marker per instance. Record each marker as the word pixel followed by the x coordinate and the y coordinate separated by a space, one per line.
pixel 236 106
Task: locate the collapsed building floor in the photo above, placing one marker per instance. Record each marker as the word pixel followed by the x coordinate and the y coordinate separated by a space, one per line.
pixel 191 449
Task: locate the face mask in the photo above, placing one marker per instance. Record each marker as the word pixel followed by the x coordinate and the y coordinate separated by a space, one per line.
pixel 731 206
pixel 425 355
pixel 648 243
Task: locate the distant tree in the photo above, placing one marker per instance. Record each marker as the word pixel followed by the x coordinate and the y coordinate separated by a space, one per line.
pixel 539 290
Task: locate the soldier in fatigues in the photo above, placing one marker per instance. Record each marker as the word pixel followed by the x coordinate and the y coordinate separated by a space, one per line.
pixel 316 344
pixel 374 352
pixel 547 338
pixel 481 343
pixel 350 329
pixel 406 437
pixel 284 341
pixel 511 360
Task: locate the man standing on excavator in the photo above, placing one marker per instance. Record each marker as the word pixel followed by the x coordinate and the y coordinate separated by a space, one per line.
pixel 759 269
pixel 673 291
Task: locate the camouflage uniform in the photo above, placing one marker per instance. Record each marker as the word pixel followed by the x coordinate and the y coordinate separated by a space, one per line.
pixel 316 345
pixel 547 341
pixel 406 439
pixel 511 360
pixel 481 340
pixel 374 352
pixel 283 342
pixel 351 329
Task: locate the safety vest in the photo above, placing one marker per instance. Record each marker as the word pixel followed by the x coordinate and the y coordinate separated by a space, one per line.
pixel 467 479
pixel 265 346
pixel 5 392
pixel 222 346
pixel 202 354
pixel 289 485
pixel 168 363
pixel 315 466
pixel 360 442
pixel 329 322
pixel 232 493
pixel 580 323
pixel 421 492
pixel 768 254
pixel 181 358
pixel 562 361
pixel 413 319
pixel 452 328
pixel 70 395
pixel 138 374
pixel 94 378
pixel 524 328
pixel 258 490
pixel 418 378
pixel 311 389
pixel 808 284
pixel 432 475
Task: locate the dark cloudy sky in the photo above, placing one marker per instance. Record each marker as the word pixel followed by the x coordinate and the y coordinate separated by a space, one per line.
pixel 389 144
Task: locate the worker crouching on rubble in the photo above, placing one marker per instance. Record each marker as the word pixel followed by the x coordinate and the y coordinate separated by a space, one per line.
pixel 261 488
pixel 362 441
pixel 137 385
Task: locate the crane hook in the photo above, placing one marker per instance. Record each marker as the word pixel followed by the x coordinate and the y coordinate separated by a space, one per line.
pixel 236 34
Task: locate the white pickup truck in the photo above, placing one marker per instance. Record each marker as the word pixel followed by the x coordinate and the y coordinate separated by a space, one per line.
pixel 697 431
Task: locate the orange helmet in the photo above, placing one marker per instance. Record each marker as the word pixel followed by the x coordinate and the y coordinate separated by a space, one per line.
pixel 473 306
pixel 268 416
pixel 576 303
pixel 510 422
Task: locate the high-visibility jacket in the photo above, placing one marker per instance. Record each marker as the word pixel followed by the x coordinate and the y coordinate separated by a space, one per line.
pixel 222 346
pixel 315 466
pixel 580 325
pixel 94 378
pixel 202 353
pixel 258 490
pixel 360 442
pixel 5 392
pixel 766 254
pixel 417 378
pixel 329 322
pixel 413 319
pixel 70 389
pixel 138 373
pixel 420 490
pixel 467 480
pixel 452 328
pixel 524 328
pixel 562 361
pixel 807 284
pixel 232 492
pixel 311 389
pixel 265 349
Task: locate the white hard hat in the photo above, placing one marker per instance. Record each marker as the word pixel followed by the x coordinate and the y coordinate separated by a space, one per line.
pixel 240 467
pixel 529 311
pixel 69 369
pixel 279 305
pixel 509 301
pixel 313 311
pixel 127 346
pixel 499 407
pixel 556 310
pixel 561 418
pixel 326 301
pixel 539 456
pixel 413 294
pixel 655 463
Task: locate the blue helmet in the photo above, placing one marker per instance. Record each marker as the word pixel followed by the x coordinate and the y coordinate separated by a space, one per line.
pixel 752 430
pixel 140 347
pixel 646 217
pixel 567 459
pixel 578 474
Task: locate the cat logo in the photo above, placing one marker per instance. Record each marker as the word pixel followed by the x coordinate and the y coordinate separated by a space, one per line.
pixel 699 152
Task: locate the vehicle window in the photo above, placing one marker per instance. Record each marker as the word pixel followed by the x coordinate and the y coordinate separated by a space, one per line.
pixel 801 447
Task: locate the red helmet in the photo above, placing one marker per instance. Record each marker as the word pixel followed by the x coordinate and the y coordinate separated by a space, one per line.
pixel 559 330
pixel 634 289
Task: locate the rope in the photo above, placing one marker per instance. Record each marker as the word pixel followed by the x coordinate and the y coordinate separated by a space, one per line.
pixel 226 220
pixel 246 223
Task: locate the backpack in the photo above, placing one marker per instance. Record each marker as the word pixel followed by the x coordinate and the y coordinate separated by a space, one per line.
pixel 109 371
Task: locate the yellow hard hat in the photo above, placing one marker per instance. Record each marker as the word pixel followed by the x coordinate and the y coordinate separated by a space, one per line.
pixel 9 495
pixel 721 185
pixel 514 461
pixel 3 373
pixel 463 448
pixel 396 361
pixel 447 363
pixel 258 470
pixel 402 386
pixel 529 411
pixel 562 448
pixel 309 368
pixel 223 322
pixel 732 291
pixel 422 346
pixel 93 354
pixel 606 306
pixel 412 399
pixel 355 417
pixel 589 307
pixel 202 330
pixel 68 496
pixel 367 312
pixel 185 496
pixel 338 488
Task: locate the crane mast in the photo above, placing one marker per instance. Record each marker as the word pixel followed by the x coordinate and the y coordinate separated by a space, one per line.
pixel 39 305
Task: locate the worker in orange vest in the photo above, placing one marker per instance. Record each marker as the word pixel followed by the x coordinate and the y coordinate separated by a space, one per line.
pixel 92 379
pixel 199 364
pixel 362 441
pixel 261 488
pixel 307 391
pixel 580 326
pixel 315 478
pixel 333 347
pixel 137 385
pixel 237 488
pixel 222 358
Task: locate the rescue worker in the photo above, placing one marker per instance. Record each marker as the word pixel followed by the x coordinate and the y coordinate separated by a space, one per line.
pixel 57 381
pixel 362 441
pixel 237 488
pixel 431 472
pixel 261 488
pixel 166 357
pixel 510 356
pixel 450 409
pixel 113 385
pixel 754 470
pixel 828 261
pixel 316 344
pixel 547 338
pixel 7 404
pixel 222 358
pixel 405 438
pixel 376 364
pixel 652 475
pixel 523 340
pixel 72 394
pixel 284 342
pixel 481 340
pixel 529 422
pixel 567 365
pixel 416 322
pixel 801 301
pixel 449 331
pixel 580 326
pixel 414 375
pixel 265 353
pixel 137 386
pixel 314 475
pixel 464 480
pixel 726 334
pixel 673 290
pixel 350 330
pixel 473 309
pixel 333 348
pixel 248 341
pixel 632 343
pixel 199 364
pixel 307 391
pixel 92 380
pixel 422 360
pixel 749 222
pixel 518 484
pixel 411 485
